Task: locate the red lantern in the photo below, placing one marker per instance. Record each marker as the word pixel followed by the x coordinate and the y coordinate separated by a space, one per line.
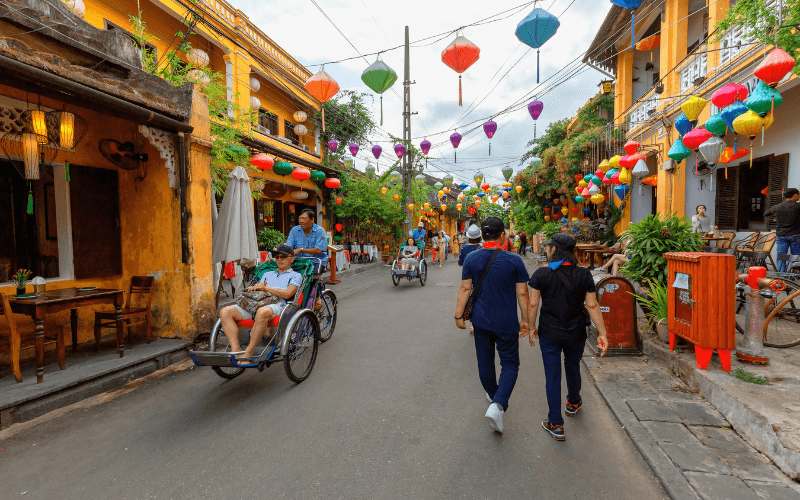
pixel 631 147
pixel 339 200
pixel 776 65
pixel 547 210
pixel 262 161
pixel 459 56
pixel 322 87
pixel 332 183
pixel 339 227
pixel 575 209
pixel 626 162
pixel 695 138
pixel 301 173
pixel 471 209
pixel 729 94
pixel 578 177
pixel 486 186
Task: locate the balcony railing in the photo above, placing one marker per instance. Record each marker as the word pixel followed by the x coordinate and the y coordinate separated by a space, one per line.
pixel 694 68
pixel 642 112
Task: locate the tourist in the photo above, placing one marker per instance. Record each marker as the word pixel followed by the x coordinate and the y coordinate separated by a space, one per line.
pixel 523 246
pixel 700 222
pixel 494 315
pixel 441 244
pixel 564 289
pixel 419 235
pixel 473 236
pixel 788 224
pixel 409 254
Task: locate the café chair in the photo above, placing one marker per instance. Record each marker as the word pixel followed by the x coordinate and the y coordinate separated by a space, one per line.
pixel 729 235
pixel 14 339
pixel 140 285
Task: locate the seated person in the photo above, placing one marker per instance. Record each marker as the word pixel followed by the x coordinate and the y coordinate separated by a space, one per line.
pixel 309 240
pixel 283 283
pixel 409 253
pixel 616 261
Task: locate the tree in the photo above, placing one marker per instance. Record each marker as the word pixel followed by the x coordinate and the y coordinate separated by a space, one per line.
pixel 348 120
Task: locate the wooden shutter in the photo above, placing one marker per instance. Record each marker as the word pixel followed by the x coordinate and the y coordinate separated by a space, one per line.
pixel 96 241
pixel 778 173
pixel 727 199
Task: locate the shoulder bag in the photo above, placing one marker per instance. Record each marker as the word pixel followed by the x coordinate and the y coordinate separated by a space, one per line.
pixel 254 300
pixel 473 294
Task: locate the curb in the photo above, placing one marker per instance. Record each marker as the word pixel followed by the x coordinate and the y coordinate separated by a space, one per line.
pixel 360 269
pixel 675 484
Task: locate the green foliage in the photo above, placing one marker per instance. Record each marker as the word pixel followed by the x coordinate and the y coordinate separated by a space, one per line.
pixel 348 120
pixel 270 238
pixel 650 239
pixel 364 206
pixel 550 228
pixel 656 301
pixel 749 377
pixel 761 21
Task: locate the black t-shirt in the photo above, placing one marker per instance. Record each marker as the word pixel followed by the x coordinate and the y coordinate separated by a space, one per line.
pixel 788 218
pixel 563 315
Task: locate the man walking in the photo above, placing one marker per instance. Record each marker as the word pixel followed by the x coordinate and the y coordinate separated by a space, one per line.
pixel 500 279
pixel 523 249
pixel 788 224
pixel 564 289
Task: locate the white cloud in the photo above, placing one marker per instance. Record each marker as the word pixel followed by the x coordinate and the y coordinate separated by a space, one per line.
pixel 371 26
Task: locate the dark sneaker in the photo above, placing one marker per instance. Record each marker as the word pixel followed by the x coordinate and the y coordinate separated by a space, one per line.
pixel 571 409
pixel 557 431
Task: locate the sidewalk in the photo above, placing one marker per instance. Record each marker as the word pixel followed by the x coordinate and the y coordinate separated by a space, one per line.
pixel 690 446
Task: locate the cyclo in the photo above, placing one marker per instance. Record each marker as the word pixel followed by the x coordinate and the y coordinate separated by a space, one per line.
pixel 419 269
pixel 296 333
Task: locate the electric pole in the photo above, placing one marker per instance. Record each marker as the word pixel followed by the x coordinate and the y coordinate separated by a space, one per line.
pixel 408 171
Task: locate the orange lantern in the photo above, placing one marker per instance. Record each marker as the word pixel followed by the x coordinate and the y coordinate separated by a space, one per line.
pixel 519 189
pixel 564 210
pixel 478 203
pixel 494 198
pixel 444 207
pixel 459 206
pixel 546 218
pixel 396 197
pixel 322 87
pixel 649 43
pixel 446 190
pixel 411 206
pixel 427 206
pixel 384 189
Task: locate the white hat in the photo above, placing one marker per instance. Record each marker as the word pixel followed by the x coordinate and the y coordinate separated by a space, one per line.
pixel 420 224
pixel 473 232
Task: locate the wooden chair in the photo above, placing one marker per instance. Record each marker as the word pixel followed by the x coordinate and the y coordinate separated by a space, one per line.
pixel 765 244
pixel 140 285
pixel 15 340
pixel 746 244
pixel 726 244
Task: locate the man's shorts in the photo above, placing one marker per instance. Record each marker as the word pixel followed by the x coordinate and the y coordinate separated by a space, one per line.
pixel 277 309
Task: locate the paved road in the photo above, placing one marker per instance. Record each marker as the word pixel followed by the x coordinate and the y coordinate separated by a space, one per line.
pixel 393 409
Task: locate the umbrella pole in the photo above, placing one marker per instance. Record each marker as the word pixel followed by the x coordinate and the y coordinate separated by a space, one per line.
pixel 219 286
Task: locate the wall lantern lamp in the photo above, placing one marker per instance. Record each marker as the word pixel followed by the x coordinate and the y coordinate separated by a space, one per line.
pixel 606 86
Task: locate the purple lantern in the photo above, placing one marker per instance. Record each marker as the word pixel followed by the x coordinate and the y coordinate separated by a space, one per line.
pixel 399 150
pixel 535 109
pixel 332 145
pixel 376 151
pixel 425 146
pixel 354 149
pixel 490 128
pixel 455 139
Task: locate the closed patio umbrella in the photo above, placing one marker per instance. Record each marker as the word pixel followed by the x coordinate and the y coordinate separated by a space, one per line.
pixel 234 236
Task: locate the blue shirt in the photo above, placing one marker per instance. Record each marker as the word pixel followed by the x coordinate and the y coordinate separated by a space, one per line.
pixel 316 239
pixel 466 250
pixel 282 280
pixel 418 233
pixel 496 306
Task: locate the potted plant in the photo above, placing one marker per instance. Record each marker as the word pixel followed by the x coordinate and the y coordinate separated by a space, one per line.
pixel 270 238
pixel 655 306
pixel 21 279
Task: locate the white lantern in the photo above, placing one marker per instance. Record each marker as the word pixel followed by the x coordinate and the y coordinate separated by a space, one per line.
pixel 712 149
pixel 198 76
pixel 197 57
pixel 255 102
pixel 593 189
pixel 76 6
pixel 255 85
pixel 300 130
pixel 30 153
pixel 300 195
pixel 300 116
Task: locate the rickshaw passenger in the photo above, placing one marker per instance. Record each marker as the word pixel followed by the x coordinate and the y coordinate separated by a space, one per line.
pixel 283 283
pixel 409 253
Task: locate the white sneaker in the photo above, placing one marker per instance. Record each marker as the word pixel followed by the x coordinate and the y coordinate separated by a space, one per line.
pixel 495 416
pixel 488 398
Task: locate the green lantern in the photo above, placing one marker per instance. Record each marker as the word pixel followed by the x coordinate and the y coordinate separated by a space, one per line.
pixel 317 176
pixel 448 180
pixel 438 186
pixel 379 77
pixel 394 177
pixel 507 172
pixel 283 169
pixel 420 180
pixel 337 239
pixel 478 179
pixel 370 170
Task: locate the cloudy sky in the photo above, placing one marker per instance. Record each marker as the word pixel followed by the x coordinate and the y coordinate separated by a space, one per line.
pixel 301 29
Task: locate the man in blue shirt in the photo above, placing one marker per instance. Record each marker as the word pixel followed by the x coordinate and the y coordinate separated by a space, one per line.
pixel 419 235
pixel 494 315
pixel 282 283
pixel 308 239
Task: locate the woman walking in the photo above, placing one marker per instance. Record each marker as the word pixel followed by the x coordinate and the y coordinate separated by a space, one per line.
pixel 568 297
pixel 440 251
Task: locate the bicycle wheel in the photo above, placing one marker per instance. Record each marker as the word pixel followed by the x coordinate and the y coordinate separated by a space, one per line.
pixel 218 342
pixel 782 324
pixel 303 344
pixel 423 273
pixel 327 315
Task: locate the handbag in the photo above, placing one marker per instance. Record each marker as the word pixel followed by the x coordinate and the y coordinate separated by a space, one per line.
pixel 252 301
pixel 473 294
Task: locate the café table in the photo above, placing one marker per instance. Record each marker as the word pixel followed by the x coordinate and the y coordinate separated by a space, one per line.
pixel 582 250
pixel 709 239
pixel 60 300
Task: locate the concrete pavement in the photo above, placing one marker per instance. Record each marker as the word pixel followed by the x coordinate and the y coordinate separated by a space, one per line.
pixel 393 409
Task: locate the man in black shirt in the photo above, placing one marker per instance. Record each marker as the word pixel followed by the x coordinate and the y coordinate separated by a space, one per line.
pixel 788 224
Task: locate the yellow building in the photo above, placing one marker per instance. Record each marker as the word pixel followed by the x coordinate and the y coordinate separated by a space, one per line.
pixel 650 87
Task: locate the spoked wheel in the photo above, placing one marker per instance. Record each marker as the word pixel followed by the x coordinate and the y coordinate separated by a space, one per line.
pixel 303 344
pixel 327 315
pixel 423 273
pixel 782 324
pixel 395 277
pixel 219 343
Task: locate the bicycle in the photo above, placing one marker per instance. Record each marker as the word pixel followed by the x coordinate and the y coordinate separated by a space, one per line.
pixel 781 312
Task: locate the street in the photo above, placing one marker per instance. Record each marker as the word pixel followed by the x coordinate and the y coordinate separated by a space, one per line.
pixel 392 409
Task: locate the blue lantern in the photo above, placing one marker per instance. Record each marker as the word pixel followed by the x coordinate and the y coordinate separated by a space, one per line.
pixel 683 125
pixel 631 5
pixel 537 28
pixel 730 113
pixel 622 190
pixel 678 151
pixel 463 186
pixel 579 199
pixel 481 194
pixel 587 211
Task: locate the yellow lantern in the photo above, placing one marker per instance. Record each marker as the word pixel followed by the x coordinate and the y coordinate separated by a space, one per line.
pixel 613 163
pixel 604 166
pixel 30 155
pixel 427 206
pixel 546 218
pixel 384 189
pixel 564 210
pixel 574 219
pixel 461 196
pixel 476 197
pixel 494 198
pixel 446 190
pixel 478 203
pixel 411 206
pixel 597 198
pixel 440 194
pixel 519 189
pixel 396 197
pixel 692 107
pixel 39 125
pixel 583 184
pixel 750 124
pixel 444 207
pixel 67 131
pixel 459 206
pixel 505 195
pixel 506 184
pixel 624 176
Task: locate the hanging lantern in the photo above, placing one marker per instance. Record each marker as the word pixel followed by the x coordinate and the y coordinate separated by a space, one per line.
pixel 585 193
pixel 679 152
pixel 476 197
pixel 459 206
pixel 578 178
pixel 683 125
pixel 692 107
pixel 461 196
pixel 455 140
pixel 299 116
pixel 339 200
pixel 317 176
pixel 411 207
pixel 30 155
pixel 728 155
pixel 716 125
pixel 535 109
pixel 67 129
pixel 728 94
pixel 396 197
pixel 446 190
pixel 394 176
pixel 594 189
pixel 631 147
pixel 578 199
pixel 489 128
pixel 535 29
pixel 399 150
pixel 494 198
pixel 518 189
pixel 443 207
pixel 300 130
pixel 35 121
pixel 420 179
pixel 332 145
pixel 459 56
pixel 448 180
pixel 376 151
pixel 198 58
pixel 332 183
pixel 478 178
pixel 262 161
pixel 505 195
pixel 507 173
pixel 300 195
pixel 587 211
pixel 615 178
pixel 547 210
pixel 750 124
pixel 624 176
pixel 631 5
pixel 370 171
pixel 576 209
pixel 622 191
pixel 764 99
pixel 564 210
pixel 650 181
pixel 463 186
pixel 626 162
pixel 426 205
pixel 547 218
pixel 353 149
pixel 598 198
pixel 379 77
pixel 730 113
pixel 695 138
pixel 255 102
pixel 613 162
pixel 440 194
pixel 283 169
pixel 774 67
pixel 604 166
pixel 322 87
pixel 425 146
pixel 649 43
pixel 339 227
pixel 578 190
pixel 640 170
pixel 471 210
pixel 485 186
pixel 384 190
pixel 583 183
pixel 712 149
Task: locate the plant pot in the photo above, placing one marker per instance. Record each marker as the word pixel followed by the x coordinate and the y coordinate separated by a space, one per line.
pixel 21 290
pixel 663 331
pixel 385 258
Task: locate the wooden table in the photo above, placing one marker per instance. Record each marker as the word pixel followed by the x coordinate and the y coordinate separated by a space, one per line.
pixel 59 300
pixel 709 239
pixel 582 250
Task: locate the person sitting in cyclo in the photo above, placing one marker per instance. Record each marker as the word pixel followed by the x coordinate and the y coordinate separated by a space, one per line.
pixel 409 253
pixel 282 283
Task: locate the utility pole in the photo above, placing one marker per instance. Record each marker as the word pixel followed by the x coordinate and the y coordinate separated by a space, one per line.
pixel 408 171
